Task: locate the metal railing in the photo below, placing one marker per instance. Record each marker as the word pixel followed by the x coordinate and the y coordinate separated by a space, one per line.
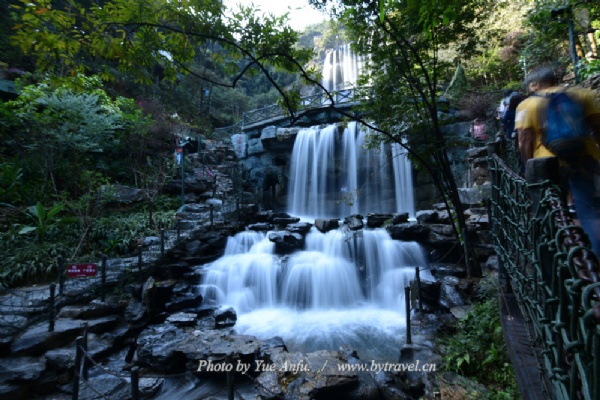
pixel 548 265
pixel 274 112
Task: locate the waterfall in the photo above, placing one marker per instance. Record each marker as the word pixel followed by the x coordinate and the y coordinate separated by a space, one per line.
pixel 333 176
pixel 344 287
pixel 341 68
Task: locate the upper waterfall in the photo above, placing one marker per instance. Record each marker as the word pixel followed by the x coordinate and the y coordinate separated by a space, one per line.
pixel 341 68
pixel 332 175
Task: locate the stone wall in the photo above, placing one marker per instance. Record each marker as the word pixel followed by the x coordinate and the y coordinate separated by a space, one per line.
pixel 265 154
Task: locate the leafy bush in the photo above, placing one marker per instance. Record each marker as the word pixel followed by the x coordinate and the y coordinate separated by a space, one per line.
pixel 478 350
pixel 27 261
pixel 589 69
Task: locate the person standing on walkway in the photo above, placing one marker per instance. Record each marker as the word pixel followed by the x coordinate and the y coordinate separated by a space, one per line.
pixel 580 173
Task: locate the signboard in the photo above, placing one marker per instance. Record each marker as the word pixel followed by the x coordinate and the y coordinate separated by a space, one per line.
pixel 81 270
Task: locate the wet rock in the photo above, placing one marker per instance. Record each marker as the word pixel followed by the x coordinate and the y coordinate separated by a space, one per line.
pixel 409 232
pixel 94 309
pixel 22 368
pixel 38 340
pixel 449 295
pixel 225 317
pixel 399 218
pixel 273 345
pixel 173 349
pixel 61 359
pixel 430 295
pixel 301 228
pixel 135 312
pixel 442 270
pixel 261 227
pixel 110 386
pixel 184 298
pixel 182 319
pixel 150 241
pixel 149 387
pixel 309 376
pixel 285 221
pixel 286 242
pixel 377 220
pixel 326 225
pixel 354 222
pixel 427 216
pixel 460 312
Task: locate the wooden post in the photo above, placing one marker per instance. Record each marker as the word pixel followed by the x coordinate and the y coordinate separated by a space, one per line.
pixel 103 276
pixel 84 345
pixel 407 298
pixel 139 248
pixel 135 383
pixel 162 242
pixel 60 265
pixel 78 354
pixel 51 311
pixel 131 352
pixel 230 379
pixel 418 278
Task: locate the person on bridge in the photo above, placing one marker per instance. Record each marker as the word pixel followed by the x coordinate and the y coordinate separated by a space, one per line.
pixel 582 175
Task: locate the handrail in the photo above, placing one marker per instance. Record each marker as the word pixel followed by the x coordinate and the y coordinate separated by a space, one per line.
pixel 552 272
pixel 307 103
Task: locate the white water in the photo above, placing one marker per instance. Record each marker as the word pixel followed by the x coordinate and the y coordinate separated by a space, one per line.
pixel 333 293
pixel 341 68
pixel 333 176
pixel 344 288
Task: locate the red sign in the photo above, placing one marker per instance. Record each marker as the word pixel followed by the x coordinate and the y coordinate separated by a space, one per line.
pixel 81 270
pixel 178 149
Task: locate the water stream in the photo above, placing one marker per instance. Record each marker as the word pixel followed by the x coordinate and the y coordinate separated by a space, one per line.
pixel 345 287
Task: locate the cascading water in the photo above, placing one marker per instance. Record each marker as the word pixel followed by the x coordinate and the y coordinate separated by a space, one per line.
pixel 333 176
pixel 345 287
pixel 341 68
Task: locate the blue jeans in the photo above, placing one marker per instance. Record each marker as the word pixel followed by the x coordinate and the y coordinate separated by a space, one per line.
pixel 581 181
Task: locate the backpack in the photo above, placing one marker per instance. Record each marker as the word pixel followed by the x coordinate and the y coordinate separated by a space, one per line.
pixel 564 128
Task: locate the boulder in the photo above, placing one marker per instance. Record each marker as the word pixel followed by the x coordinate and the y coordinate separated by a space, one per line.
pixel 301 228
pixel 354 222
pixel 326 225
pixel 409 232
pixel 377 220
pixel 286 242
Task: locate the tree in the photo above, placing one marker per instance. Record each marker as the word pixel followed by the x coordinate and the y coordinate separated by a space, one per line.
pixel 548 38
pixel 405 76
pixel 58 131
pixel 144 36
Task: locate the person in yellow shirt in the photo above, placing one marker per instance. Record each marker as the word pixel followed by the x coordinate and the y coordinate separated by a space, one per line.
pixel 581 172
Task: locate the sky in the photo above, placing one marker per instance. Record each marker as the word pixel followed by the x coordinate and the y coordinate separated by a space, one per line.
pixel 301 13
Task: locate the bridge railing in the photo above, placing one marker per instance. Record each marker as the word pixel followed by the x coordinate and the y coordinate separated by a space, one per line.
pixel 275 111
pixel 547 263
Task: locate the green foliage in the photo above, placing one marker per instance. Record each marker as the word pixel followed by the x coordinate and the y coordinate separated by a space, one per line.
pixel 458 84
pixel 41 220
pixel 477 350
pixel 58 133
pixel 10 183
pixel 589 69
pixel 27 261
pixel 120 235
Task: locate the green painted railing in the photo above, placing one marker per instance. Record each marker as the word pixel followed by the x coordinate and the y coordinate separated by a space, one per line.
pixel 548 264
